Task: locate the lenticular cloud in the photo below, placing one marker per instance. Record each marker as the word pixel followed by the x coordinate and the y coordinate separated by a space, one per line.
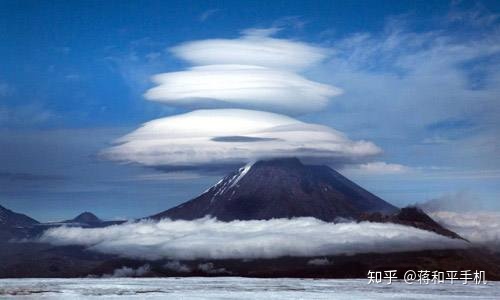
pixel 230 77
pixel 254 71
pixel 241 86
pixel 211 239
pixel 255 47
pixel 233 136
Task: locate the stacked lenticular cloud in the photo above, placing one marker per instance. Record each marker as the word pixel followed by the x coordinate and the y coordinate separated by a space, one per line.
pixel 241 88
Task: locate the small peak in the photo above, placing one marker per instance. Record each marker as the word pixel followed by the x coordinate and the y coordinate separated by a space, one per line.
pixel 86 217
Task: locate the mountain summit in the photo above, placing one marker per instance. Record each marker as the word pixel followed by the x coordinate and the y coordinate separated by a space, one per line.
pixel 281 188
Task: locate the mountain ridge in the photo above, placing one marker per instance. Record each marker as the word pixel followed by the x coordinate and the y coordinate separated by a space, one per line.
pixel 9 218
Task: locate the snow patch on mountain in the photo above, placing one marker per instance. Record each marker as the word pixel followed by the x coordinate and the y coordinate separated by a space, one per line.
pixel 242 172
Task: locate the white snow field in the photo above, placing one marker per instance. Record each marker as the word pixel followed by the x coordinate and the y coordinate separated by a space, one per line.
pixel 235 288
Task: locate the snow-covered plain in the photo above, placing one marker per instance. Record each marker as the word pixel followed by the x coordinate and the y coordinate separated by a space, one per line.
pixel 235 288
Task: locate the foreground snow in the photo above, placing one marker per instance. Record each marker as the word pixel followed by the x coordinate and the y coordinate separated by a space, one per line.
pixel 235 288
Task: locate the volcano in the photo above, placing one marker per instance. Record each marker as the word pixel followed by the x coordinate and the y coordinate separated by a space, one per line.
pixel 287 188
pixel 282 188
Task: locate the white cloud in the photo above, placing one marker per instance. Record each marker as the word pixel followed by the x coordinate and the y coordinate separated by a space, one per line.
pixel 209 268
pixel 261 32
pixel 233 136
pixel 319 262
pixel 166 176
pixel 377 168
pixel 241 86
pixel 211 239
pixel 130 272
pixel 255 47
pixel 478 227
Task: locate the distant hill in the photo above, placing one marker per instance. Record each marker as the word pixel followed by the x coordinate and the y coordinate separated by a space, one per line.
pixel 19 226
pixel 85 219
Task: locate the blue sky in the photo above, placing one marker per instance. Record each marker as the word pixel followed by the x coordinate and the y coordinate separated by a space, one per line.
pixel 420 80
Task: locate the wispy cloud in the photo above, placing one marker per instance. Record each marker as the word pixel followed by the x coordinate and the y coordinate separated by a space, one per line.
pixel 208 13
pixel 25 115
pixel 436 87
pixel 377 168
pixel 461 201
pixel 16 176
pixel 421 81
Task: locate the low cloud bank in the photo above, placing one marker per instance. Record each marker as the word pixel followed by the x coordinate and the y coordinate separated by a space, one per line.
pixel 211 239
pixel 478 227
pixel 208 268
pixel 177 267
